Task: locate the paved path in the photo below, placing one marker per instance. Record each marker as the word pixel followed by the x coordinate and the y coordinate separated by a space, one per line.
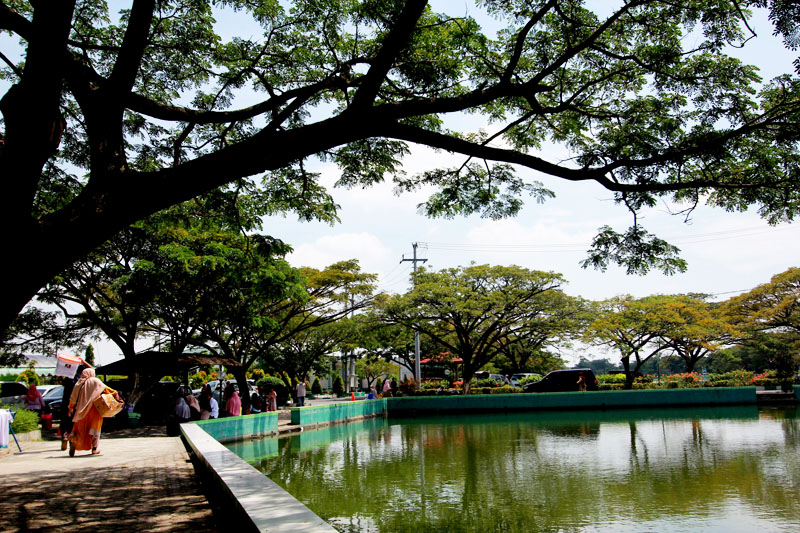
pixel 142 481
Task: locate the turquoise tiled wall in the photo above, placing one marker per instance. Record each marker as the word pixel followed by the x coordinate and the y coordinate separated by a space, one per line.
pixel 236 427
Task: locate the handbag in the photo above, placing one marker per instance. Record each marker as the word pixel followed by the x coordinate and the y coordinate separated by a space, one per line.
pixel 107 405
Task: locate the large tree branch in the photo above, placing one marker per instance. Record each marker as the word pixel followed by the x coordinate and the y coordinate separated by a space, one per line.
pixel 395 42
pixel 129 59
pixel 598 174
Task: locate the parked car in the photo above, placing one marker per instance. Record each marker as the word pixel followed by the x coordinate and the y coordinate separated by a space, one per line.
pixel 563 381
pixel 486 375
pixel 52 396
pixel 516 378
pixel 13 392
pixel 218 387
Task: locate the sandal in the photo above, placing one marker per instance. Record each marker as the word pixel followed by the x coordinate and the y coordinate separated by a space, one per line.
pixel 95 451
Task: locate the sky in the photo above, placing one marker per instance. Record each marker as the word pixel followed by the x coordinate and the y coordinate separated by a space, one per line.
pixel 727 253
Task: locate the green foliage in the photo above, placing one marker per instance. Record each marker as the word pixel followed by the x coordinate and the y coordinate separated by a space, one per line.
pixel 198 379
pixel 505 389
pixel 281 388
pixel 24 421
pixel 338 385
pixel 88 355
pixel 642 113
pixel 29 376
pixel 316 387
pixel 470 311
pixel 611 378
pixel 528 379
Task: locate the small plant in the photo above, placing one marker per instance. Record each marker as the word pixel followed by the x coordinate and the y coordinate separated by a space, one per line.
pixel 316 387
pixel 269 382
pixel 528 379
pixel 338 385
pixel 24 421
pixel 29 376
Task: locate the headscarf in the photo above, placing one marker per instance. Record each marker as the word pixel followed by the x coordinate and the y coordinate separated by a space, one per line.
pixel 234 405
pixel 33 393
pixel 192 401
pixel 86 391
pixel 182 409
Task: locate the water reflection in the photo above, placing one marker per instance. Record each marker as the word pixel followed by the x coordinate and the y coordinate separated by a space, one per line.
pixel 732 469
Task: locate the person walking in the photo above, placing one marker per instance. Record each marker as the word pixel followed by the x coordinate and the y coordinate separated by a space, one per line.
pixel 66 420
pixel 87 420
pixel 272 400
pixel 581 382
pixel 301 393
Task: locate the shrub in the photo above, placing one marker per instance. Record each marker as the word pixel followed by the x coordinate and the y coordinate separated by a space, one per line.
pixel 316 387
pixel 270 382
pixel 24 421
pixel 528 379
pixel 408 387
pixel 197 380
pixel 29 376
pixel 768 378
pixel 338 385
pixel 487 383
pixel 611 379
pixel 256 374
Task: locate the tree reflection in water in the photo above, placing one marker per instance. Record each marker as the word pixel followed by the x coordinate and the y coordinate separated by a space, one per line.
pixel 630 470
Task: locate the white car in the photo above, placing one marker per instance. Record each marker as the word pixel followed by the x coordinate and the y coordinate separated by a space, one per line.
pixel 217 387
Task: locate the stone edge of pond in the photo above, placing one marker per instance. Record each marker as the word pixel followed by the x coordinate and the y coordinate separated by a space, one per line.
pixel 259 503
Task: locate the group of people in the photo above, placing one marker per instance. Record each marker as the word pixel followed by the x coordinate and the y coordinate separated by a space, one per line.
pixel 187 407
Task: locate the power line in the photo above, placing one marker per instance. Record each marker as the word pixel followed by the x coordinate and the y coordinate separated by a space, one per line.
pixel 573 247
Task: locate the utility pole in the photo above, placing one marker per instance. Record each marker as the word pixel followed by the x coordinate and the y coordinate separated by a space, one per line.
pixel 417 372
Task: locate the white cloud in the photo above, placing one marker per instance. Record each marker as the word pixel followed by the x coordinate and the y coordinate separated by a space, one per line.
pixel 326 250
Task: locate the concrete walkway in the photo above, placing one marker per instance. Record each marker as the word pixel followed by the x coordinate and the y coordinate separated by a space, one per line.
pixel 142 481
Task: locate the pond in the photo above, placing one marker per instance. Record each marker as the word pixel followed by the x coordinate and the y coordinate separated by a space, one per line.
pixel 725 469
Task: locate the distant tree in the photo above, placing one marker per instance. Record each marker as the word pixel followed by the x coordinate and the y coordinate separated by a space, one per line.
pixel 316 387
pixel 599 366
pixel 532 361
pixel 469 311
pixel 338 385
pixel 88 355
pixel 631 327
pixel 768 317
pixel 373 368
pixel 560 319
pixel 693 328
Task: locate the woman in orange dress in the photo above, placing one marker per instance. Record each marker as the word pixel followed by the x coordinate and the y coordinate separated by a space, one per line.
pixel 86 418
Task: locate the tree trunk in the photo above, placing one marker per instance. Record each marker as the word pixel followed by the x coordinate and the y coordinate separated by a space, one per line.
pixel 626 365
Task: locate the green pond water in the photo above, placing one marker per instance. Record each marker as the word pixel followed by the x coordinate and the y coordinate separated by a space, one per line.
pixel 727 469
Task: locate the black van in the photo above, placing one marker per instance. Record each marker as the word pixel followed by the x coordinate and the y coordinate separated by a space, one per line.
pixel 563 381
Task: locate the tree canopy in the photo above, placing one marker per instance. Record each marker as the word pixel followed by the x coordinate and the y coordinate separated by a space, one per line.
pixel 109 117
pixel 470 311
